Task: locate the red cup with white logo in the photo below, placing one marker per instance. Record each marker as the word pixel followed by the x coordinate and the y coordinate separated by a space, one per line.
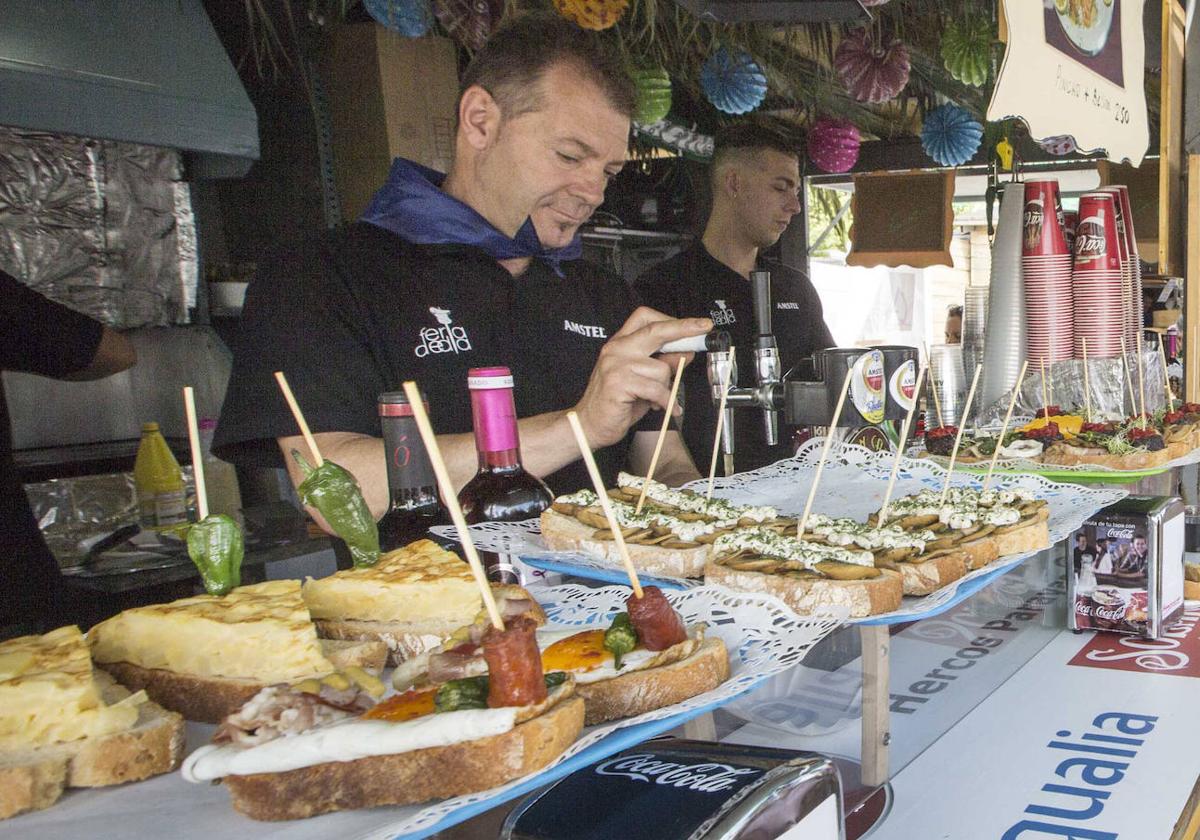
pixel 1097 247
pixel 1043 229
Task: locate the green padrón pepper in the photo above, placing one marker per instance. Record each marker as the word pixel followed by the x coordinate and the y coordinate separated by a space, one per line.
pixel 336 495
pixel 215 546
pixel 620 638
pixel 472 692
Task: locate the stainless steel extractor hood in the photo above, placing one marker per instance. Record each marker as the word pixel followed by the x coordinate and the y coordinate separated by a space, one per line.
pixel 143 71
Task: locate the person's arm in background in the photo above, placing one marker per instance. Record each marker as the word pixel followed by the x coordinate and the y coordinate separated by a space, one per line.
pixel 44 337
pixel 114 355
pixel 675 465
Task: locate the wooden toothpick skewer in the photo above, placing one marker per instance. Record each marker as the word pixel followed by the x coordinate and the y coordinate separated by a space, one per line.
pixel 1162 355
pixel 933 386
pixel 299 415
pixel 712 465
pixel 1142 385
pixel 812 491
pixel 585 449
pixel 1050 381
pixel 904 430
pixel 966 413
pixel 189 407
pixel 456 513
pixel 1128 375
pixel 1004 428
pixel 1087 384
pixel 662 436
pixel 1045 395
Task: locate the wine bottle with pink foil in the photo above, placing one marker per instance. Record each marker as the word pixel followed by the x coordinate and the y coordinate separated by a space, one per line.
pixel 502 490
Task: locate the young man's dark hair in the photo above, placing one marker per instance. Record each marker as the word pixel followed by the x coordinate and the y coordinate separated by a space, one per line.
pixel 749 136
pixel 512 62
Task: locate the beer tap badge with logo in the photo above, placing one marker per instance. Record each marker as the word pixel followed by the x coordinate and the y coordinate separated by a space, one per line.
pixel 867 386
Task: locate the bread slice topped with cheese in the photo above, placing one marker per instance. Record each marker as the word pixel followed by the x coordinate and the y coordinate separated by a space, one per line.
pixel 207 655
pixel 412 600
pixel 672 535
pixel 64 724
pixel 808 576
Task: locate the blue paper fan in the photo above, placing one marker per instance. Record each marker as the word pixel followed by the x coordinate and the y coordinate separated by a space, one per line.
pixel 411 18
pixel 734 83
pixel 951 135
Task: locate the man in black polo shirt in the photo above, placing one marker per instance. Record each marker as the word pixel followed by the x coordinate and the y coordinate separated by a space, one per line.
pixel 755 180
pixel 479 268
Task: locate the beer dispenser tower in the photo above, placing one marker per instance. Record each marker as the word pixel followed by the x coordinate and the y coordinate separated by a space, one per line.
pixel 882 387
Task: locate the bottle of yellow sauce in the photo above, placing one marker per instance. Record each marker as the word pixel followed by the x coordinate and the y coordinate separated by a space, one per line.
pixel 162 501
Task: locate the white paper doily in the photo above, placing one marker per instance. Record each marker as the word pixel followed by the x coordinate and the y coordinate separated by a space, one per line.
pixel 763 635
pixel 852 484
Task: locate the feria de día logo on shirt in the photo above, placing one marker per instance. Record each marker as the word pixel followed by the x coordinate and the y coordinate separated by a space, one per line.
pixel 721 314
pixel 444 338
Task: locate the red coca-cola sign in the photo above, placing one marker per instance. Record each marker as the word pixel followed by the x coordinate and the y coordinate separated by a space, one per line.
pixel 1176 653
pixel 1096 242
pixel 1043 229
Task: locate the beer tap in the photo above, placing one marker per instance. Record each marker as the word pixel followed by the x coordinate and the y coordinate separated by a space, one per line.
pixel 721 368
pixel 767 373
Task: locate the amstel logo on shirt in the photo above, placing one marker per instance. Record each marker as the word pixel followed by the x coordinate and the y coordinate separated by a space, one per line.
pixel 1178 652
pixel 444 338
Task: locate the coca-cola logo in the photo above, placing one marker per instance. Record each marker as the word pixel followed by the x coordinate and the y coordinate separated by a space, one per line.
pixel 1083 607
pixel 1176 653
pixel 1033 222
pixel 1089 239
pixel 647 767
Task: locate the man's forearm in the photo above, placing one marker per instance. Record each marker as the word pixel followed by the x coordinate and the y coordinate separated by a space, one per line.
pixel 546 446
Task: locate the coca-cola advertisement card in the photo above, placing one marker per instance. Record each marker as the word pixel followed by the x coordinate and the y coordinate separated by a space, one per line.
pixel 1122 566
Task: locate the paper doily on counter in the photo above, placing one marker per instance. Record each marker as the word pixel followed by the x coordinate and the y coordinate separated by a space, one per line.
pixel 852 484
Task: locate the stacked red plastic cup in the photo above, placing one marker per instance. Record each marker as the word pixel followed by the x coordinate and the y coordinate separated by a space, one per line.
pixel 1098 282
pixel 1131 266
pixel 1070 221
pixel 1046 271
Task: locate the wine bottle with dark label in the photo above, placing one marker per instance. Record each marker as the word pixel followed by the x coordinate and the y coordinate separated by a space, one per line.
pixel 502 490
pixel 415 506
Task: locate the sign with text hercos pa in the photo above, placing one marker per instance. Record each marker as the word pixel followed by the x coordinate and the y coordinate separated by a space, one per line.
pixel 1076 69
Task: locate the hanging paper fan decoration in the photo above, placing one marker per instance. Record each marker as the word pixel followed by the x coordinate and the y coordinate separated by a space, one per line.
pixel 470 22
pixel 592 14
pixel 951 135
pixel 1060 144
pixel 408 17
pixel 966 50
pixel 654 95
pixel 870 71
pixel 733 82
pixel 833 144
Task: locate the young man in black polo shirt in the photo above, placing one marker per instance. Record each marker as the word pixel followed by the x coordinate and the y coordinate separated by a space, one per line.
pixel 479 268
pixel 755 180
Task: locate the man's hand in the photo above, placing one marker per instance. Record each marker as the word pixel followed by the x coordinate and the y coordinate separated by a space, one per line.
pixel 626 382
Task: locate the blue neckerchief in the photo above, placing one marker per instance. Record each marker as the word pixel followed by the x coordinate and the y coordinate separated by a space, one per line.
pixel 412 205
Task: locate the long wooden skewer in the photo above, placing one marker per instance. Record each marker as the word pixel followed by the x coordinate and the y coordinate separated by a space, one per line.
pixel 1087 384
pixel 958 437
pixel 189 407
pixel 812 491
pixel 585 449
pixel 300 421
pixel 662 436
pixel 904 430
pixel 1162 355
pixel 712 464
pixel 456 512
pixel 1128 375
pixel 1045 394
pixel 1004 428
pixel 1050 381
pixel 933 386
pixel 1141 368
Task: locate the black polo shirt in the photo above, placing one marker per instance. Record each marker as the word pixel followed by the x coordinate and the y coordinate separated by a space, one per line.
pixel 356 314
pixel 693 283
